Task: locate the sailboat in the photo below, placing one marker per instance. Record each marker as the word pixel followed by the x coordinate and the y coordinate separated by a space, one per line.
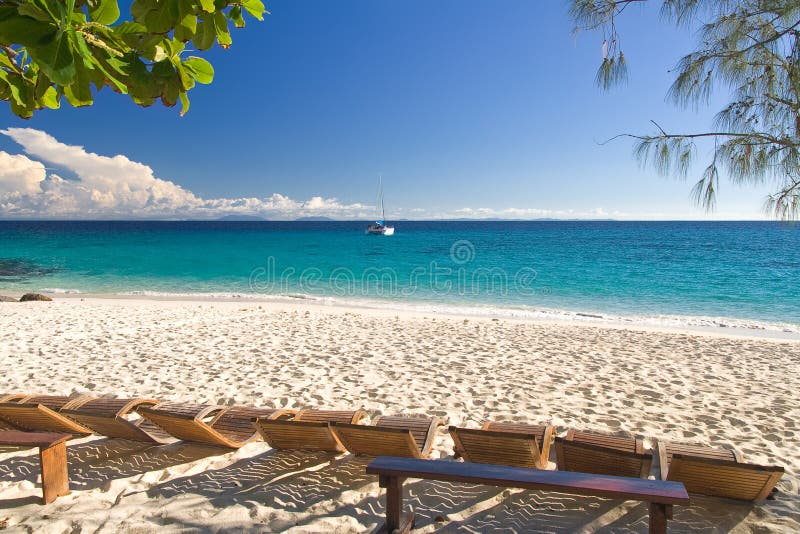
pixel 379 227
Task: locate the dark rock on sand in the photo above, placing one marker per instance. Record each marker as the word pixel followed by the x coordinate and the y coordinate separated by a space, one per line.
pixel 33 296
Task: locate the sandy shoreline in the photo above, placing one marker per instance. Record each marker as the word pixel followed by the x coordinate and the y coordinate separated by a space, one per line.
pixel 721 326
pixel 704 387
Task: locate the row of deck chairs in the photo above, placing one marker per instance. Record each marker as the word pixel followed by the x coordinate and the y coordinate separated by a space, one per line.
pixel 157 422
pixel 703 470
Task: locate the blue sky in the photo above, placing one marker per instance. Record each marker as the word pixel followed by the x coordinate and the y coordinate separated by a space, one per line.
pixel 466 108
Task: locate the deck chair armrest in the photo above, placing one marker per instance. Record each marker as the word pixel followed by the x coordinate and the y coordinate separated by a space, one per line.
pixel 663 459
pixel 436 422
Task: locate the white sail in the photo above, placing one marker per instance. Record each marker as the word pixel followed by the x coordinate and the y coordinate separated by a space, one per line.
pixel 379 227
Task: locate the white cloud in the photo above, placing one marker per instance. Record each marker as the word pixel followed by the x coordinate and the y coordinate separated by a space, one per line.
pixel 116 187
pixel 534 213
pixel 20 175
pixel 106 187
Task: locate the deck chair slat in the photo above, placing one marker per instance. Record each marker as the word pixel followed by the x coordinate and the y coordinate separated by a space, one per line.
pixel 391 435
pixel 337 416
pixel 717 472
pixel 607 441
pixel 309 430
pixel 375 441
pixel 602 454
pixel 56 402
pixel 236 423
pixel 299 435
pixel 421 428
pixel 112 407
pixel 512 444
pixel 721 482
pixel 519 428
pixel 701 452
pixel 702 479
pixel 186 410
pixel 214 425
pixel 38 417
pixel 110 417
pixel 9 397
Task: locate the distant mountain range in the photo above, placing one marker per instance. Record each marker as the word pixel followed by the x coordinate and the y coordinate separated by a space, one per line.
pixel 242 218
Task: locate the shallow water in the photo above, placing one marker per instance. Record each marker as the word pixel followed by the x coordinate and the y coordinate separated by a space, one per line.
pixel 716 273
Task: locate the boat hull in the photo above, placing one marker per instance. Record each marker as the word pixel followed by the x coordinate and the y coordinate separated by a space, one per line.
pixel 380 230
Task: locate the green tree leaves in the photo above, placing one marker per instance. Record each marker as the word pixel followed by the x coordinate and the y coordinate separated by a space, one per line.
pixel 200 69
pixel 255 8
pixel 104 11
pixel 55 58
pixel 52 49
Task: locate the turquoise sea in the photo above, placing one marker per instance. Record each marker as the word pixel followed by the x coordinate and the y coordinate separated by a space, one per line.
pixel 743 274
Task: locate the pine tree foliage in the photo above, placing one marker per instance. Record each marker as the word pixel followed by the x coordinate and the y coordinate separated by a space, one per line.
pixel 750 48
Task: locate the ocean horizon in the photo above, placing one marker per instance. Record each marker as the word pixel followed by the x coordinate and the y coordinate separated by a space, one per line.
pixel 703 273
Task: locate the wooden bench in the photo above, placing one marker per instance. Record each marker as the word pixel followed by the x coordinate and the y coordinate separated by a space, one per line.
pixel 392 471
pixel 52 456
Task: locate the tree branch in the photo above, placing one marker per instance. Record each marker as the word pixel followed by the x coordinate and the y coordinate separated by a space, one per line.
pixel 12 57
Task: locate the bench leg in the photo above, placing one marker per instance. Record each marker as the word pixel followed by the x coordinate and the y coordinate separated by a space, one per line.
pixel 658 518
pixel 395 523
pixel 55 481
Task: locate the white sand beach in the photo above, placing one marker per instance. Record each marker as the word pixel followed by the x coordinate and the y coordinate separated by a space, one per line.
pixel 710 389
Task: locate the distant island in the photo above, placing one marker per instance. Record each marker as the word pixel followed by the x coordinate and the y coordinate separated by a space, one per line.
pixel 241 218
pixel 244 218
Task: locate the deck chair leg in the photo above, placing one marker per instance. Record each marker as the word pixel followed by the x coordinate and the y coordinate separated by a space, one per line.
pixel 395 523
pixel 55 480
pixel 658 518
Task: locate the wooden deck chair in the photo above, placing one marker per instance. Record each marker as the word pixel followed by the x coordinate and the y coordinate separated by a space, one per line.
pixel 42 413
pixel 117 418
pixel 9 397
pixel 602 454
pixel 230 427
pixel 410 437
pixel 309 430
pixel 716 472
pixel 513 444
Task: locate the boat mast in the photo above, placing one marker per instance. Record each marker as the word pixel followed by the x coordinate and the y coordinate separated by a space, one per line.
pixel 380 188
